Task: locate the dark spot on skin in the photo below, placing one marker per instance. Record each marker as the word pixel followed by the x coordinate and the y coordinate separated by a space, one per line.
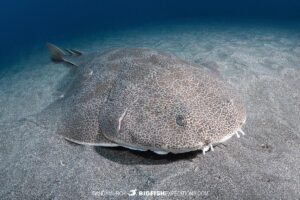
pixel 110 98
pixel 180 120
pixel 132 137
pixel 267 147
pixel 226 101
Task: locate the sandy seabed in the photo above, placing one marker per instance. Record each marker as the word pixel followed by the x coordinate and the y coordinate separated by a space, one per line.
pixel 263 63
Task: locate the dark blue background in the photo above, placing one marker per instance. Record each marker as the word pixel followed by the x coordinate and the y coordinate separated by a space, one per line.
pixel 32 22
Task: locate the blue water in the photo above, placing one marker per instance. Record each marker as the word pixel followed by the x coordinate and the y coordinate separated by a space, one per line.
pixel 28 24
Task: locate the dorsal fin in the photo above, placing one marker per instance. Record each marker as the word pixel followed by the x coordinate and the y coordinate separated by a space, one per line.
pixel 57 55
pixel 69 51
pixel 76 52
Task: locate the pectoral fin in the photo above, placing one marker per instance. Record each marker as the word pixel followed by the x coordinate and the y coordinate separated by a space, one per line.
pixel 56 54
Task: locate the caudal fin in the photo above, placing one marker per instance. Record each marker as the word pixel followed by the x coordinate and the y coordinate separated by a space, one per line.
pixel 57 55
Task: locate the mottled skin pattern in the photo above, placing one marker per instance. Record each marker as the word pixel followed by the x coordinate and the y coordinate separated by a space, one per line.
pixel 145 99
pixel 84 97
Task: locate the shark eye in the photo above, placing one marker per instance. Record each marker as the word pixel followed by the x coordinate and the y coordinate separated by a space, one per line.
pixel 180 120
